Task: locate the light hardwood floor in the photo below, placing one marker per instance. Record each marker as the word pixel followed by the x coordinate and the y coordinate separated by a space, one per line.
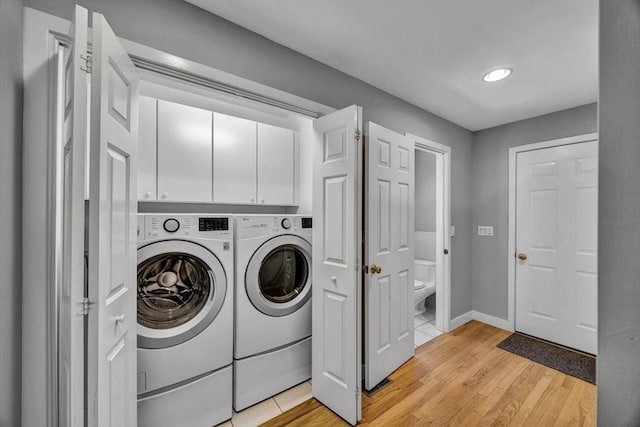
pixel 463 379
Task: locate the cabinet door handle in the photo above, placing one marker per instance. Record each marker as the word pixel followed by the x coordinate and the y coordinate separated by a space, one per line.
pixel 252 200
pixel 147 194
pixel 262 200
pixel 165 195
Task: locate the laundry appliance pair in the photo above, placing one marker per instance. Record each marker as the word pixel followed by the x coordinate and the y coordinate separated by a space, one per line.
pixel 192 367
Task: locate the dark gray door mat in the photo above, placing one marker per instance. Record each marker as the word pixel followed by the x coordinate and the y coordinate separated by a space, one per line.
pixel 560 358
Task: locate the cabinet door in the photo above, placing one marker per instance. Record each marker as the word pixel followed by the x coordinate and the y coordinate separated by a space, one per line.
pixel 234 159
pixel 275 165
pixel 147 149
pixel 184 153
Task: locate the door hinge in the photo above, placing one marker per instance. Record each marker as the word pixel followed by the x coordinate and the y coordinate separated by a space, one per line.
pixel 357 392
pixel 357 136
pixel 88 63
pixel 85 305
pixel 357 267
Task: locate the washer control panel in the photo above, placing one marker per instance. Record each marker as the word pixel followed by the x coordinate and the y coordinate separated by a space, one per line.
pixel 286 223
pixel 180 225
pixel 213 224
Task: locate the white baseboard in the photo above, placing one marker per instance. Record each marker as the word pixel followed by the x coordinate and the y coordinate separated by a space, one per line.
pixel 480 317
pixel 460 320
pixel 490 320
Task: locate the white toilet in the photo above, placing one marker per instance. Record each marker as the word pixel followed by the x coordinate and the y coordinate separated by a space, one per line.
pixel 424 283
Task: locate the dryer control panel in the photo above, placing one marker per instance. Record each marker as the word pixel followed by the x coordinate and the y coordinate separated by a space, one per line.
pixel 266 225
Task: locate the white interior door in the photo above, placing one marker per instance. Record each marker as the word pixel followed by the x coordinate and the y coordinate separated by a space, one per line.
pixel 112 232
pixel 556 244
pixel 336 324
pixel 71 327
pixel 389 225
pixel 443 243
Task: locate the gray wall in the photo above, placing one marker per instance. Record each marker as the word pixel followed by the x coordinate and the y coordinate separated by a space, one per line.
pixel 184 30
pixel 490 195
pixel 425 191
pixel 619 219
pixel 10 209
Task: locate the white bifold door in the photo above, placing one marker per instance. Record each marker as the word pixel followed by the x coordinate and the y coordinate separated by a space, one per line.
pixel 336 300
pixel 557 243
pixel 108 355
pixel 337 263
pixel 389 252
pixel 72 290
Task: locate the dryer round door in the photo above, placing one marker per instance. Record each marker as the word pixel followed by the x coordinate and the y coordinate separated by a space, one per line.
pixel 278 276
pixel 181 288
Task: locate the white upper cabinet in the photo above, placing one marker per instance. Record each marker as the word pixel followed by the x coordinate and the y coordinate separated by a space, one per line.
pixel 234 160
pixel 276 160
pixel 188 154
pixel 184 153
pixel 147 146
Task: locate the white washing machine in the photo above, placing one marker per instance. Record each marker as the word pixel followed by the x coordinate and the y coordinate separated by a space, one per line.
pixel 185 319
pixel 272 350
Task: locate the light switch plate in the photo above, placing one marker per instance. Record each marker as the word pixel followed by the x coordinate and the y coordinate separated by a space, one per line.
pixel 453 231
pixel 485 230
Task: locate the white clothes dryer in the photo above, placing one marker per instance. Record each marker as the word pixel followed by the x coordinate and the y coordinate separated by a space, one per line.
pixel 185 319
pixel 272 350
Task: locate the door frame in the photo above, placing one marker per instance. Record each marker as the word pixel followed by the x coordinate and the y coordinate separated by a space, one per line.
pixel 443 262
pixel 511 260
pixel 44 36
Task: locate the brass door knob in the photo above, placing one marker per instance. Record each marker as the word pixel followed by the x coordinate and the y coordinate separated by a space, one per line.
pixel 376 269
pixel 522 256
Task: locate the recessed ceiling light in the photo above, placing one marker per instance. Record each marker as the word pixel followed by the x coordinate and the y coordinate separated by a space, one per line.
pixel 497 74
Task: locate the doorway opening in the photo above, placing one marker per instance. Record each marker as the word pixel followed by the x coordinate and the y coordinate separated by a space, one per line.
pixel 424 289
pixel 432 240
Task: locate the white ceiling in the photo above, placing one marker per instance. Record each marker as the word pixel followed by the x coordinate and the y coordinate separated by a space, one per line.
pixel 433 53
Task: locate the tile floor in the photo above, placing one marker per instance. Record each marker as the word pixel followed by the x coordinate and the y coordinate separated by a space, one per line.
pixel 270 408
pixel 425 331
pixel 425 326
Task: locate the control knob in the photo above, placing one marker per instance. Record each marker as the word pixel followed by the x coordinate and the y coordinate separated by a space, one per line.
pixel 171 225
pixel 286 223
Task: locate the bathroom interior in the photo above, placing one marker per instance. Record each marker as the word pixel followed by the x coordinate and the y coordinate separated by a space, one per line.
pixel 425 248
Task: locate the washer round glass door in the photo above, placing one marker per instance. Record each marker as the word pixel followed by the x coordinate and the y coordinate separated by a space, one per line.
pixel 278 276
pixel 181 288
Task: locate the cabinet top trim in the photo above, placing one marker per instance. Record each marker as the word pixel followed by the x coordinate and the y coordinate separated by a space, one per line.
pixel 154 60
